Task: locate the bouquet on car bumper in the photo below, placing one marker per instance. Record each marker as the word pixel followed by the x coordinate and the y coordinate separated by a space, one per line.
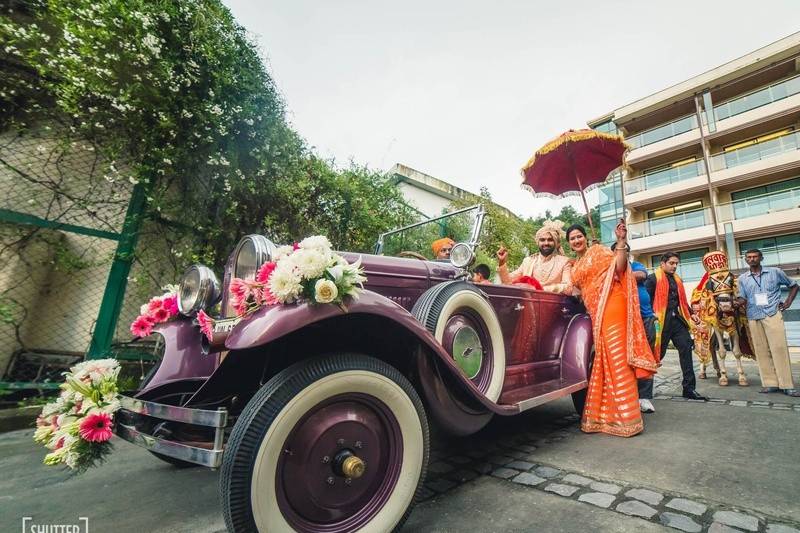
pixel 307 271
pixel 77 427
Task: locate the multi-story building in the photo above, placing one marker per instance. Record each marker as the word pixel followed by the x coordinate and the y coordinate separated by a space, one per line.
pixel 431 196
pixel 714 164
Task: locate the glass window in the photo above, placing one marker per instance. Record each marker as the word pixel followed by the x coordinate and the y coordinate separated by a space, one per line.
pixel 610 207
pixel 675 209
pixel 777 250
pixel 766 198
pixel 606 127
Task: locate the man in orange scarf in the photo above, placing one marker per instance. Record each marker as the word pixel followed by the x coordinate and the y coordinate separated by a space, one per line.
pixel 670 306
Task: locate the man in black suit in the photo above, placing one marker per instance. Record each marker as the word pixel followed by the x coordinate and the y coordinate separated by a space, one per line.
pixel 669 299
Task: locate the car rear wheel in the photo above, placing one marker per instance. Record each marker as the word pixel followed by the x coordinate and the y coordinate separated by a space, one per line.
pixel 337 443
pixel 465 324
pixel 579 398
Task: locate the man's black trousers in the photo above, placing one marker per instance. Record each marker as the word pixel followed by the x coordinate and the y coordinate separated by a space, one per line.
pixel 676 330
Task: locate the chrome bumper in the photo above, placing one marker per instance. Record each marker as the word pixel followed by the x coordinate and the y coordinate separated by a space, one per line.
pixel 133 410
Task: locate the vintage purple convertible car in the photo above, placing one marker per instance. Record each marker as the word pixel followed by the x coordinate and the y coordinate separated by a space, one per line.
pixel 318 417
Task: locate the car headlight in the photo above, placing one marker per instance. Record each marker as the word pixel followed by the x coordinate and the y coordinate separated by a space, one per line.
pixel 461 255
pixel 251 252
pixel 199 289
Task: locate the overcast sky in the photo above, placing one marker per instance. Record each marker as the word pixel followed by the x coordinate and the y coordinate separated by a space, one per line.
pixel 466 90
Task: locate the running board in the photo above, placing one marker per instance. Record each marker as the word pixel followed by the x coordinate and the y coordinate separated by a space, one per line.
pixel 524 405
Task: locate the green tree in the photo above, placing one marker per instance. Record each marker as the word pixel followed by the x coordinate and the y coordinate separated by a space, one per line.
pixel 173 94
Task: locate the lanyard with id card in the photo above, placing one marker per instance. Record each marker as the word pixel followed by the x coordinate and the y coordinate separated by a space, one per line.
pixel 762 299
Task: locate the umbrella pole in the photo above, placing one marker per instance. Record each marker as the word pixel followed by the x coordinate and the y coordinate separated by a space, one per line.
pixel 586 205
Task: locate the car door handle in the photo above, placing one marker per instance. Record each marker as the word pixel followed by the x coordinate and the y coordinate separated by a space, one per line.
pixel 519 307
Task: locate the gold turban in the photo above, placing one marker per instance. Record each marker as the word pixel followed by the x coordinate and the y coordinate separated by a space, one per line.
pixel 554 228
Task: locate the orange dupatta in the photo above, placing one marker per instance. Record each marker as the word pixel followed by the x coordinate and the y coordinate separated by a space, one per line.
pixel 622 353
pixel 660 304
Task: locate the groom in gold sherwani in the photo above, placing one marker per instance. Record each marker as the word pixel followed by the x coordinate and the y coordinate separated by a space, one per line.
pixel 549 266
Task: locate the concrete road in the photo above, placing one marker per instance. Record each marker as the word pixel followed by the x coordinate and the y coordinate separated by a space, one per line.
pixel 697 466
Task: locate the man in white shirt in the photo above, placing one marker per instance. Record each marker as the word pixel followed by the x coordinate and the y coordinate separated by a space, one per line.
pixel 549 265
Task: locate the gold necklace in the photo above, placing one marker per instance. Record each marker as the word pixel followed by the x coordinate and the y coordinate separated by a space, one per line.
pixel 550 272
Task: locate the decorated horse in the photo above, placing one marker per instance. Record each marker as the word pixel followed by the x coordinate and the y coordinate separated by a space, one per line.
pixel 716 315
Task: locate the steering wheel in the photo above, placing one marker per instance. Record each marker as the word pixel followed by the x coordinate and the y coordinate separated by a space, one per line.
pixel 413 255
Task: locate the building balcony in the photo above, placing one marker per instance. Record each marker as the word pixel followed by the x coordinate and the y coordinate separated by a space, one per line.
pixel 778 211
pixel 757 150
pixel 773 212
pixel 656 142
pixel 667 176
pixel 753 160
pixel 680 230
pixel 663 132
pixel 757 106
pixel 756 161
pixel 756 99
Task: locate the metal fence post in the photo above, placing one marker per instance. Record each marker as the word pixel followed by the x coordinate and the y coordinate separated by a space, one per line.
pixel 114 293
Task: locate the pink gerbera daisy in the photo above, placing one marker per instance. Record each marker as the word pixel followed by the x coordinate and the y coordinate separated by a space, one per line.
pixel 142 326
pixel 170 303
pixel 154 304
pixel 241 292
pixel 265 272
pixel 206 324
pixel 96 427
pixel 160 315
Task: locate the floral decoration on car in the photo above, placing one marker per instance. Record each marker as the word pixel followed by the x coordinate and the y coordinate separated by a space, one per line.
pixel 308 271
pixel 77 427
pixel 159 309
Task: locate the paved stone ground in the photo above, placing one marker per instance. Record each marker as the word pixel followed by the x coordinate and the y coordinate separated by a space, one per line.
pixel 697 467
pixel 728 465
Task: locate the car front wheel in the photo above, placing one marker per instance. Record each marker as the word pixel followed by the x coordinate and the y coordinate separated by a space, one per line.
pixel 337 443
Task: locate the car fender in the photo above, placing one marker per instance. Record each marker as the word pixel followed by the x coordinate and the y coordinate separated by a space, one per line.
pixel 182 354
pixel 576 349
pixel 273 322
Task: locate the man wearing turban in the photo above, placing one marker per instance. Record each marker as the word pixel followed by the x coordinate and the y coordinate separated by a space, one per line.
pixel 441 248
pixel 549 266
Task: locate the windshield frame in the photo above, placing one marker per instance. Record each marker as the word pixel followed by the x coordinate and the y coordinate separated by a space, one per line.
pixel 474 237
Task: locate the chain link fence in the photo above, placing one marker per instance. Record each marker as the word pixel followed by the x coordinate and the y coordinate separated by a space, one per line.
pixel 66 250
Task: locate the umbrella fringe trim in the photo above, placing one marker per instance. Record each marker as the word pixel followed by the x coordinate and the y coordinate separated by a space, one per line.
pixel 573 136
pixel 563 195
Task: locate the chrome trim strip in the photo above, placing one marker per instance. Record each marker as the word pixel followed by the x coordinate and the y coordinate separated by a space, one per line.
pixel 199 417
pixel 191 454
pixel 524 405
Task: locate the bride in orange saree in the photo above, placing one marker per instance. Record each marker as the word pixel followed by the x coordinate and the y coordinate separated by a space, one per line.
pixel 622 354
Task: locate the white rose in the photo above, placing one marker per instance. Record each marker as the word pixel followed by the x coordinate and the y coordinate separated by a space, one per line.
pixel 325 291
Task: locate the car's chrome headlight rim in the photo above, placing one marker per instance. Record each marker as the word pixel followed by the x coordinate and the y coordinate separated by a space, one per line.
pixel 461 255
pixel 251 252
pixel 199 289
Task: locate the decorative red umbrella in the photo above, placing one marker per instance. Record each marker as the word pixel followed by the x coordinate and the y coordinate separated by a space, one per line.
pixel 573 163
